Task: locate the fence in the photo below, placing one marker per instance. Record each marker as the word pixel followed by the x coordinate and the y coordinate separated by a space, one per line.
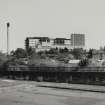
pixel 55 69
pixel 90 75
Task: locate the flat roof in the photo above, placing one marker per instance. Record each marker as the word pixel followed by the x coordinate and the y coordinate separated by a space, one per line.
pixel 48 38
pixel 38 37
pixel 62 39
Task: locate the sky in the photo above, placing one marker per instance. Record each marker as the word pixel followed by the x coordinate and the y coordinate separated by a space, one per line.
pixel 52 18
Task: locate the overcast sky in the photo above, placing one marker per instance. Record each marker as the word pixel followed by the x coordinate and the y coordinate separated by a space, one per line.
pixel 52 18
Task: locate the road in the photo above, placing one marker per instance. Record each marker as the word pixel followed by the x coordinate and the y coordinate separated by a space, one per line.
pixel 28 93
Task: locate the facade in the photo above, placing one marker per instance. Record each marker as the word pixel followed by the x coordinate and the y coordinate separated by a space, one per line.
pixel 61 43
pixel 46 43
pixel 38 43
pixel 77 40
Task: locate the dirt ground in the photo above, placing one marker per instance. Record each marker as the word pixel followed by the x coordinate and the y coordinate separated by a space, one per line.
pixel 28 93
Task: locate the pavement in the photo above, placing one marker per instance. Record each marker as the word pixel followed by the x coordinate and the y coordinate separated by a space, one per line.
pixel 13 92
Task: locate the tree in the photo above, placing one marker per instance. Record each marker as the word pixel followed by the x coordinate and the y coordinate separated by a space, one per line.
pixel 77 53
pixel 84 62
pixel 90 53
pixel 61 50
pixel 53 51
pixel 3 58
pixel 30 52
pixel 66 50
pixel 19 53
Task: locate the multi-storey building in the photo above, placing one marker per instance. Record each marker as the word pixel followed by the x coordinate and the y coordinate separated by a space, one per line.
pixel 38 43
pixel 46 43
pixel 77 40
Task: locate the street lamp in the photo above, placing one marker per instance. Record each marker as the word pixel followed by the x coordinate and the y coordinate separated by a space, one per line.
pixel 8 25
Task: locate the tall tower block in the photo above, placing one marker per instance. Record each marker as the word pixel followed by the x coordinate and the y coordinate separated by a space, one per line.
pixel 78 40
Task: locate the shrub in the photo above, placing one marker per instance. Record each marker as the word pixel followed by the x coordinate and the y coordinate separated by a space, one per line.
pixel 84 62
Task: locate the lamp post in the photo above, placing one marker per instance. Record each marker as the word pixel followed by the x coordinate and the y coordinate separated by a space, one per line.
pixel 8 25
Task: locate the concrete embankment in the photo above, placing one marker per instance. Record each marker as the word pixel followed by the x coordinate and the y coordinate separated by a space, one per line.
pixel 79 87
